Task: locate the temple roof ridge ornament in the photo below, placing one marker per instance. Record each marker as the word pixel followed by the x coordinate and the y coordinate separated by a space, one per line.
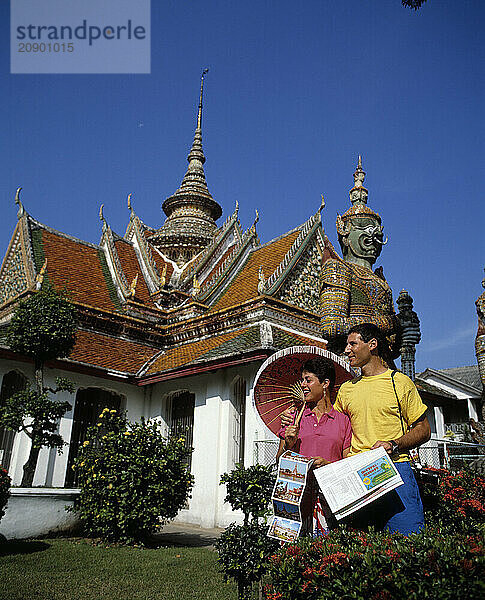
pixel 18 202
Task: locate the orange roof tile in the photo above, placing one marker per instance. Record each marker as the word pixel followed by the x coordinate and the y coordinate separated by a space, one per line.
pixel 111 353
pixel 245 284
pixel 181 355
pixel 76 266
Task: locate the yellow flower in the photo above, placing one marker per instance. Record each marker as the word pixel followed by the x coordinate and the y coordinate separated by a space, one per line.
pixel 127 433
pixel 86 443
pixel 101 415
pixel 113 412
pixel 98 424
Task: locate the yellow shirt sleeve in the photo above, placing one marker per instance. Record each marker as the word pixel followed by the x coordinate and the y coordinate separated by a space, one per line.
pixel 411 404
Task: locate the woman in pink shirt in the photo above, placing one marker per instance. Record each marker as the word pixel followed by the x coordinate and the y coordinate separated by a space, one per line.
pixel 323 434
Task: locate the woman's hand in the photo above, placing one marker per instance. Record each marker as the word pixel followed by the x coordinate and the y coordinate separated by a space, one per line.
pixel 288 417
pixel 291 435
pixel 318 461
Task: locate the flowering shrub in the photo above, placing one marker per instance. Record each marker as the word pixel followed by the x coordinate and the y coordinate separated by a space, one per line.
pixel 132 479
pixel 378 566
pixel 4 490
pixel 458 501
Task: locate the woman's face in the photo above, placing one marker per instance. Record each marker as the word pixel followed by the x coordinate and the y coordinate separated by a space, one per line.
pixel 313 389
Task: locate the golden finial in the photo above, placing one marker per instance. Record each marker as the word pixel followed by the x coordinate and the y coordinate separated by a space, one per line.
pixel 40 275
pixel 237 207
pixel 130 207
pixel 199 115
pixel 322 205
pixel 101 216
pixel 132 291
pixel 257 217
pixel 195 286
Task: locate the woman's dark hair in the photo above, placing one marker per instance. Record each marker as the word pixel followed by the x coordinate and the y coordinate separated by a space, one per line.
pixel 322 367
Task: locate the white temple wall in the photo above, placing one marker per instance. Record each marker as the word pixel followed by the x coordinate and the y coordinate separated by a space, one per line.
pixel 51 467
pixel 213 439
pixel 213 431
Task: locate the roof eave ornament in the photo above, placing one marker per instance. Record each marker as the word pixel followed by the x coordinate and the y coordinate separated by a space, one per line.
pixel 130 205
pixel 21 210
pixel 101 218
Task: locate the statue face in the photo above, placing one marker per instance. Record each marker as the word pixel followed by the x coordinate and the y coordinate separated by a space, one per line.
pixel 365 239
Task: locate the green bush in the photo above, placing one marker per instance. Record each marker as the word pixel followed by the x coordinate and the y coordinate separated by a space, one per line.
pixel 132 479
pixel 378 566
pixel 4 490
pixel 249 489
pixel 244 549
pixel 243 554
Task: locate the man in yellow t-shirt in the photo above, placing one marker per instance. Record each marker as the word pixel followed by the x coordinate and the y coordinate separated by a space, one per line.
pixel 380 416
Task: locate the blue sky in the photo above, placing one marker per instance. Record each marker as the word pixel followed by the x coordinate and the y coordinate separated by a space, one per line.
pixel 295 92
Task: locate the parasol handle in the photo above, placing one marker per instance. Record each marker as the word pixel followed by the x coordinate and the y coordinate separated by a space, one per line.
pixel 300 414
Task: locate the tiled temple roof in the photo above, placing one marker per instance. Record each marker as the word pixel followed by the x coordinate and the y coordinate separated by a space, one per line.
pixel 111 353
pixel 98 279
pixel 233 343
pixel 78 267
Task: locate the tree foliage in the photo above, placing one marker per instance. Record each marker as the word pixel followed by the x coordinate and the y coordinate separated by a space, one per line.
pixel 44 328
pixel 132 478
pixel 414 4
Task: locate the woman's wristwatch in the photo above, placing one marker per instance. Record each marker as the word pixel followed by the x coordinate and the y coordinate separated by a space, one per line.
pixel 394 447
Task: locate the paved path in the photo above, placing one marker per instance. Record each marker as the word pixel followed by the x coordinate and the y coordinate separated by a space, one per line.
pixel 184 534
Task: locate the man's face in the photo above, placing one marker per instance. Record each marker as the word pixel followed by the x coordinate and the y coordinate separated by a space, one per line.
pixel 358 351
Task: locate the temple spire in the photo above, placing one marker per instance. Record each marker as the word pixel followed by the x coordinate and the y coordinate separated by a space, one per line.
pixel 191 211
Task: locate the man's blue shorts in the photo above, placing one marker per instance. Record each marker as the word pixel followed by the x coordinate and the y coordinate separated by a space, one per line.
pixel 399 510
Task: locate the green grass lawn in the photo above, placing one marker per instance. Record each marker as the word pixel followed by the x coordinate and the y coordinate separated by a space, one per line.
pixel 74 569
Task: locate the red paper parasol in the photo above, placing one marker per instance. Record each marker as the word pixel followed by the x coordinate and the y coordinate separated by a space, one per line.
pixel 277 384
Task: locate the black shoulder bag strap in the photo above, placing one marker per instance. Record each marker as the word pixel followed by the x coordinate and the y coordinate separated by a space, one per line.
pixel 398 402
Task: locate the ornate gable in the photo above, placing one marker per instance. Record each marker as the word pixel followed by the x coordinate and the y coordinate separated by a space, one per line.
pixel 13 276
pixel 301 286
pixel 296 279
pixel 18 271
